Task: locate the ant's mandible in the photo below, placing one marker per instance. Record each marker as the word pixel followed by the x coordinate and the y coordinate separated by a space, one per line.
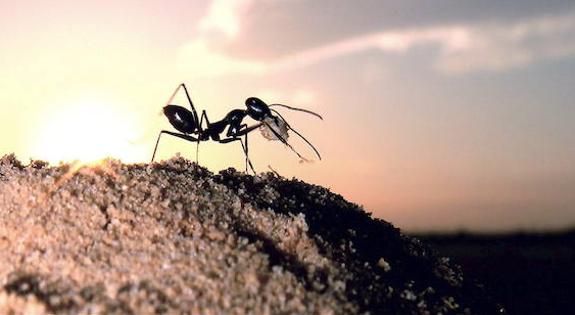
pixel 191 128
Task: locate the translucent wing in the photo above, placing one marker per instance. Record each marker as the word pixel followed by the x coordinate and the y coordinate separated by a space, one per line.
pixel 276 128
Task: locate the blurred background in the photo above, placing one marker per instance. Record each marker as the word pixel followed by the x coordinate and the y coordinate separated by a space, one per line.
pixel 440 117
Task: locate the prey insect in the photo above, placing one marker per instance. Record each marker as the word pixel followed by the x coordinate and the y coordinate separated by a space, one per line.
pixel 269 121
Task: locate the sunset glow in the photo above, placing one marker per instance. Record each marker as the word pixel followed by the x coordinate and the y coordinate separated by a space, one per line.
pixel 85 131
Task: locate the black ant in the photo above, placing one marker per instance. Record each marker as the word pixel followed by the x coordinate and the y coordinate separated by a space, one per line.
pixel 191 128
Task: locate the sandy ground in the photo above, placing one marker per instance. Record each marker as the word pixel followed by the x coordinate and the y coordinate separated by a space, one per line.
pixel 173 238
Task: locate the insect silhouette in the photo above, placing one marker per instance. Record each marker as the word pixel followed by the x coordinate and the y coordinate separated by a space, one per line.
pixel 270 122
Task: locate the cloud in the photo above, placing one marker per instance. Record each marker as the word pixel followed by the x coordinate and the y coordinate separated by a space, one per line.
pixel 500 47
pixel 455 48
pixel 201 59
pixel 198 59
pixel 224 16
pixel 448 38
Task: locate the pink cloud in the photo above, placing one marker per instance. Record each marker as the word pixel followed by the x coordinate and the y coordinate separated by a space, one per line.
pixel 458 48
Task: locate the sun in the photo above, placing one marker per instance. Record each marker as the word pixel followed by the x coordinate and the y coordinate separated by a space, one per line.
pixel 85 131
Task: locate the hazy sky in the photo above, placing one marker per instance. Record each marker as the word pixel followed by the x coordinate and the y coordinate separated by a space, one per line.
pixel 438 114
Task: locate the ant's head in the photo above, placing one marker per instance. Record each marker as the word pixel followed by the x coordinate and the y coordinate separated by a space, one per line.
pixel 257 109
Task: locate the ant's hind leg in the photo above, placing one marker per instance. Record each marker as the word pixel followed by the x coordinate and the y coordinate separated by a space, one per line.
pixel 175 134
pixel 156 147
pixel 183 86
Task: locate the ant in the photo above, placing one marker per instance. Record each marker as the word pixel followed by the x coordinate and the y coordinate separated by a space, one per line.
pixel 191 128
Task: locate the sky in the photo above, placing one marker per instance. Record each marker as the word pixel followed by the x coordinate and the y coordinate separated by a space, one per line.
pixel 444 115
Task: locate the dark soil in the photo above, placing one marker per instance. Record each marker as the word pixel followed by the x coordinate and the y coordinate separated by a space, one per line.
pixel 531 273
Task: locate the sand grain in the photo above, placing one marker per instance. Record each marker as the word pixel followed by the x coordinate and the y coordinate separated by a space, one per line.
pixel 174 238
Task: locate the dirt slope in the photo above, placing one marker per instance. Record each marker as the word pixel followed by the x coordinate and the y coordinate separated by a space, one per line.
pixel 174 238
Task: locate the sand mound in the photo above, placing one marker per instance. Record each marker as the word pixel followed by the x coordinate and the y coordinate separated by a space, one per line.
pixel 174 238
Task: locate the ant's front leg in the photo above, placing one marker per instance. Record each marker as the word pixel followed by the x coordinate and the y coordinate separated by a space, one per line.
pixel 244 148
pixel 244 130
pixel 247 153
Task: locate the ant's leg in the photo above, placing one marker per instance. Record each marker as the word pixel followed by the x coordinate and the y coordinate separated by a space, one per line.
pixel 179 135
pixel 246 148
pixel 235 135
pixel 244 130
pixel 248 161
pixel 246 151
pixel 182 85
pixel 156 147
pixel 190 101
pixel 228 140
pixel 197 151
pixel 204 115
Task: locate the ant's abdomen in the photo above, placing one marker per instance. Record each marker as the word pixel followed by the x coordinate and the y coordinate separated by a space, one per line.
pixel 181 118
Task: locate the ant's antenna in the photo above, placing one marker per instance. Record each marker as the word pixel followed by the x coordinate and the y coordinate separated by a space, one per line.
pixel 298 109
pixel 299 134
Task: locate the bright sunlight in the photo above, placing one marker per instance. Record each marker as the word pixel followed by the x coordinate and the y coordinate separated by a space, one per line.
pixel 85 131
